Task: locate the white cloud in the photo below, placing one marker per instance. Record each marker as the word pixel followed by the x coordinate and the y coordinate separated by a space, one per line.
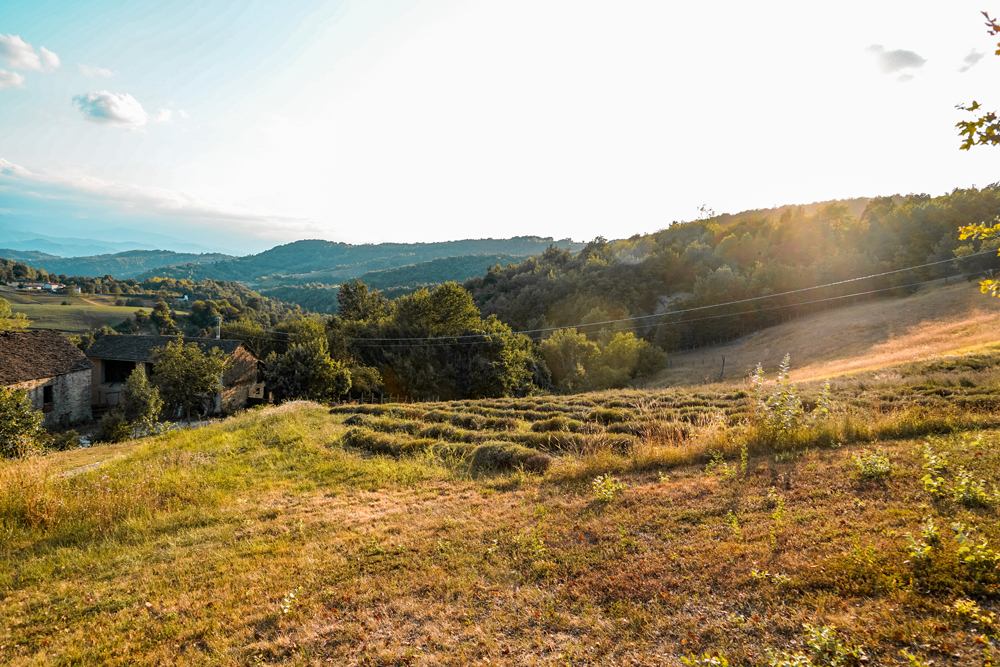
pixel 894 61
pixel 91 71
pixel 10 80
pixel 970 60
pixel 18 54
pixel 49 59
pixel 73 181
pixel 183 114
pixel 116 109
pixel 162 116
pixel 15 169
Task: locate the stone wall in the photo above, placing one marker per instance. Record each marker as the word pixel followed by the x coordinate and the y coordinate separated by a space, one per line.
pixel 239 382
pixel 70 398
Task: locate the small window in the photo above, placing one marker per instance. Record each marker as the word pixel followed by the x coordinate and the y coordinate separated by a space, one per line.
pixel 48 395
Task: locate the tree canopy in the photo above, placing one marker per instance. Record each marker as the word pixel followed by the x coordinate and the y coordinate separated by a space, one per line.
pixel 188 379
pixel 11 321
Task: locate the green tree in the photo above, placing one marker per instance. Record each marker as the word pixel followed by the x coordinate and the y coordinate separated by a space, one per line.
pixel 187 378
pixel 162 318
pixel 20 426
pixel 356 302
pixel 137 413
pixel 85 340
pixel 567 354
pixel 141 402
pixel 11 321
pixel 306 371
pixel 984 130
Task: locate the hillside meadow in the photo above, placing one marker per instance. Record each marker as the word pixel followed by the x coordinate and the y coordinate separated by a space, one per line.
pixel 78 315
pixel 627 527
pixel 941 319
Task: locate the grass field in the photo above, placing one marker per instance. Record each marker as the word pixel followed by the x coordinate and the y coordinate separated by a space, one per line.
pixel 936 321
pixel 625 528
pixel 82 314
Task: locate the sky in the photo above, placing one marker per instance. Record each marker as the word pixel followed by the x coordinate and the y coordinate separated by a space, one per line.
pixel 242 125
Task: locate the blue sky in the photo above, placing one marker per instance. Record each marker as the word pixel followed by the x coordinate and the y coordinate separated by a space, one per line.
pixel 241 125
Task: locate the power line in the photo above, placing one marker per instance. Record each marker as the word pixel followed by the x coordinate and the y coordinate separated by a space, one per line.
pixel 658 324
pixel 689 310
pixel 450 341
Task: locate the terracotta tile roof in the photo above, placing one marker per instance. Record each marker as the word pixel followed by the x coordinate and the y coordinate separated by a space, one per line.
pixel 140 348
pixel 37 354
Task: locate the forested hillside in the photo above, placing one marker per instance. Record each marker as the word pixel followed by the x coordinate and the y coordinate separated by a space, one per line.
pixel 121 265
pixel 322 298
pixel 730 258
pixel 331 263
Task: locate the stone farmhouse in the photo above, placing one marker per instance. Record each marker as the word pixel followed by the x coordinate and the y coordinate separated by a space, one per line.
pixel 115 357
pixel 54 372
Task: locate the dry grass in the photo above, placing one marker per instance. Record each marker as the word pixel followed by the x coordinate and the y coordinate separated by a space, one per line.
pixel 420 560
pixel 937 320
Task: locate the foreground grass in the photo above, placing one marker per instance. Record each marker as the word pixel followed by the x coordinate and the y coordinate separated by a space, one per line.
pixel 276 537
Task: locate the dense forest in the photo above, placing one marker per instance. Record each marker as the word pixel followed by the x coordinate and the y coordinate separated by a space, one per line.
pixel 722 259
pixel 128 264
pixel 322 298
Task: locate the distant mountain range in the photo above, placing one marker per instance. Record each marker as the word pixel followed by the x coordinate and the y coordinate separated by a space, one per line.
pixel 386 265
pixel 122 265
pixel 22 234
pixel 331 263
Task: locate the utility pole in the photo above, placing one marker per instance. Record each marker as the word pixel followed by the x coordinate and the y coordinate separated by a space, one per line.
pixel 218 327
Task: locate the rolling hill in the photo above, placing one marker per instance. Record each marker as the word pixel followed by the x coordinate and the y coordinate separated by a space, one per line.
pixel 330 263
pixel 121 265
pixel 945 318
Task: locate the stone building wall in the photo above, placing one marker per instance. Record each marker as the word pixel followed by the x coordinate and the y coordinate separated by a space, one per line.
pixel 70 398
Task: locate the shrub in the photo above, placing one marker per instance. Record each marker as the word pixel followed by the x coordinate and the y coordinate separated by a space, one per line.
pixel 502 456
pixel 20 426
pixel 873 466
pixel 607 487
pixel 825 650
pixel 65 441
pixel 967 491
pixel 113 427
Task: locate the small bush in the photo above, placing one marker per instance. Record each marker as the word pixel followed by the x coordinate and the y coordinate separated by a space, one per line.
pixel 607 487
pixel 503 456
pixel 967 491
pixel 874 466
pixel 64 441
pixel 113 427
pixel 825 650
